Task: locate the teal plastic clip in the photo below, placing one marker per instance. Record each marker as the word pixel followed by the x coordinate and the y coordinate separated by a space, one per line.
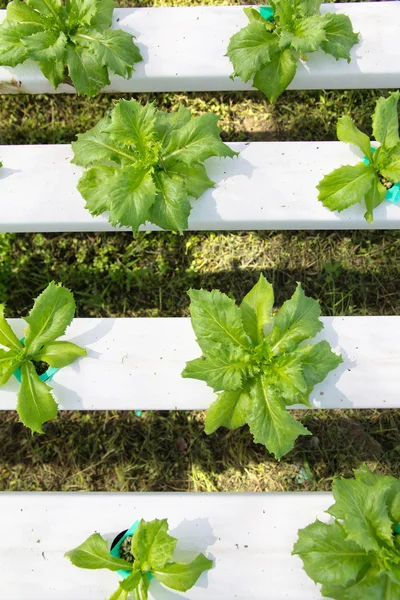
pixel 267 13
pixel 47 376
pixel 393 195
pixel 138 413
pixel 115 552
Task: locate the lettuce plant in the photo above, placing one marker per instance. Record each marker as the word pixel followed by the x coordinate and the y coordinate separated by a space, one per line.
pixel 68 39
pixel 150 554
pixel 51 314
pixel 357 556
pixel 380 170
pixel 256 363
pixel 268 51
pixel 145 164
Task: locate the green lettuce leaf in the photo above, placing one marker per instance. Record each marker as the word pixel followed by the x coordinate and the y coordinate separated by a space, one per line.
pixel 285 12
pixel 349 184
pixel 171 208
pixel 216 318
pixel 364 512
pixel 346 186
pixel 52 9
pixel 35 404
pixel 60 354
pixel 133 125
pixel 373 198
pixel 132 582
pixel 51 314
pixel 297 320
pixel 182 577
pixel 145 165
pixel 258 370
pixel 49 318
pixel 192 178
pixel 114 49
pixel 228 410
pixel 373 586
pixel 71 40
pixel 223 367
pixel 317 361
pixel 10 361
pixel 269 51
pixel 91 186
pixel 152 549
pixel 12 49
pixel 309 7
pixel 256 309
pixel 385 120
pixel 286 373
pixel 250 49
pixel 152 546
pixel 273 79
pixel 306 36
pixel 388 163
pixel 95 146
pixel 7 336
pixel 357 557
pixel 25 14
pixel 86 71
pixel 395 508
pixel 329 557
pixel 270 422
pixel 194 142
pixel 339 36
pixel 94 554
pixel 102 18
pixel 133 192
pixel 166 122
pixel 82 11
pixel 347 132
pixel 48 49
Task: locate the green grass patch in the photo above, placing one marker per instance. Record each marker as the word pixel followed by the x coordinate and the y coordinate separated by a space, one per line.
pixel 118 451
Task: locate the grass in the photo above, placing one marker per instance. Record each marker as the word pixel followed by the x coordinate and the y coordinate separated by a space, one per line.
pixel 121 452
pixel 243 116
pixel 352 273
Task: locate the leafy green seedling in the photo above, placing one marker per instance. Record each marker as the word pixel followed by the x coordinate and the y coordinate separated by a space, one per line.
pixel 268 51
pixel 68 39
pixel 255 360
pixel 145 164
pixel 348 185
pixel 357 557
pixel 51 314
pixel 150 554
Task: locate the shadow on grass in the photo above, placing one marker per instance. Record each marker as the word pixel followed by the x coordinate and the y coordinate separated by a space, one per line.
pixel 121 452
pixel 52 119
pixel 149 275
